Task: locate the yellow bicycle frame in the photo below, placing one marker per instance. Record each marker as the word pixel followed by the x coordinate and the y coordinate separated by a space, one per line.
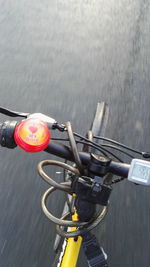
pixel 71 248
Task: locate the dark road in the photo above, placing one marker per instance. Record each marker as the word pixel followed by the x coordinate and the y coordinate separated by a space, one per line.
pixel 60 58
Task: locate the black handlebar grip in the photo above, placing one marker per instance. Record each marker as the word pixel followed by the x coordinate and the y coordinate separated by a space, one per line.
pixel 7 134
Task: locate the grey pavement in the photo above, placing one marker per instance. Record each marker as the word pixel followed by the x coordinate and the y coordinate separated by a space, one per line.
pixel 60 58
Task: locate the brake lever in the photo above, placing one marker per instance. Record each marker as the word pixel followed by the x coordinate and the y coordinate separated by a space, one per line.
pixel 52 123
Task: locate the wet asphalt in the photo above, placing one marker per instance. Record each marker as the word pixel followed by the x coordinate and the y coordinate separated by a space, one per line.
pixel 61 58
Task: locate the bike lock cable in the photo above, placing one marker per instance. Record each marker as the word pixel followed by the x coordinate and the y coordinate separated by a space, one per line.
pixel 83 227
pixel 83 230
pixel 52 217
pixel 74 147
pixel 49 180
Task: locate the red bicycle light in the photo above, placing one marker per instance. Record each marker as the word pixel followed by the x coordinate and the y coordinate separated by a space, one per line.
pixel 32 135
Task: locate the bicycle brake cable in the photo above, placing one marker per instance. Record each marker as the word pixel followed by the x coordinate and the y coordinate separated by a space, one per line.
pixel 12 113
pixel 144 154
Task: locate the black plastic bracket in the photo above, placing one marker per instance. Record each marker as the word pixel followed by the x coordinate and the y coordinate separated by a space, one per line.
pixel 93 191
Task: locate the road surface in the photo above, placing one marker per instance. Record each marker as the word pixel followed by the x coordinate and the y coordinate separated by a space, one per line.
pixel 61 57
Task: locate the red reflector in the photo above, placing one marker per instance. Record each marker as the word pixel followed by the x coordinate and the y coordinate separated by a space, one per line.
pixel 32 135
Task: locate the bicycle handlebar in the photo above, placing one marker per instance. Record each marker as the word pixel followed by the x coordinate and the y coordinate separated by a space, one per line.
pixel 7 140
pixel 63 151
pixel 32 135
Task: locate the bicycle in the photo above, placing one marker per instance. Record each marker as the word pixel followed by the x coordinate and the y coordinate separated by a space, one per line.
pixel 87 183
